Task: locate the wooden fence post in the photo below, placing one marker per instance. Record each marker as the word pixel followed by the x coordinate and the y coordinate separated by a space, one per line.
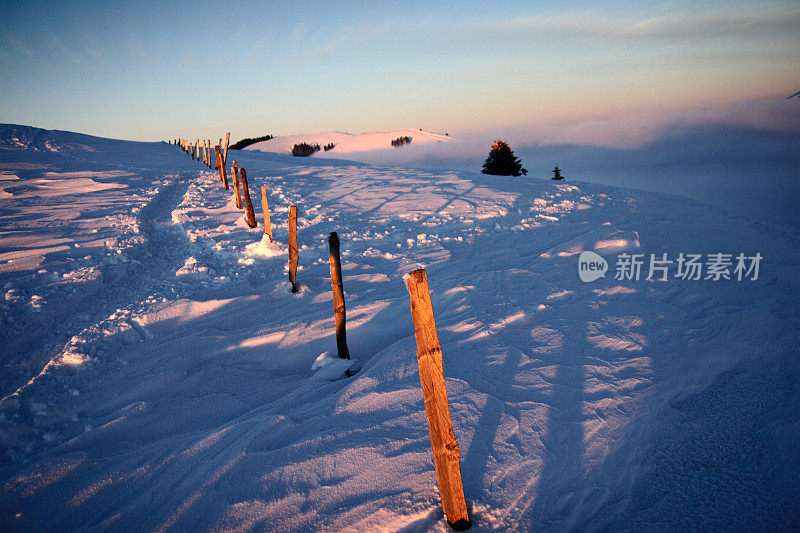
pixel 293 247
pixel 235 172
pixel 338 296
pixel 251 217
pixel 227 141
pixel 222 175
pixel 265 208
pixel 196 150
pixel 446 454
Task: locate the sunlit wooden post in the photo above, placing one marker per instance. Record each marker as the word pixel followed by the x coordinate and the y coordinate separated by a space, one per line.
pixel 196 154
pixel 265 208
pixel 235 172
pixel 293 247
pixel 227 141
pixel 251 217
pixel 222 175
pixel 446 454
pixel 338 297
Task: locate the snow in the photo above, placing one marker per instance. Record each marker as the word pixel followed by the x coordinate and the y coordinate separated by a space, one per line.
pixel 157 372
pixel 349 143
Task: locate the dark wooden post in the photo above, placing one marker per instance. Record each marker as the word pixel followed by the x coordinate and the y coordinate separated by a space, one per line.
pixel 227 141
pixel 251 217
pixel 293 247
pixel 265 208
pixel 338 296
pixel 446 454
pixel 235 172
pixel 222 175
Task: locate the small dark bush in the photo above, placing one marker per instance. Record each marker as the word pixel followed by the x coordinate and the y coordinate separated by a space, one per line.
pixel 328 147
pixel 400 141
pixel 238 145
pixel 557 172
pixel 304 149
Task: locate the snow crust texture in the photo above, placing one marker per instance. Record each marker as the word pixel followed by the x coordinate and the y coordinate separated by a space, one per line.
pixel 158 374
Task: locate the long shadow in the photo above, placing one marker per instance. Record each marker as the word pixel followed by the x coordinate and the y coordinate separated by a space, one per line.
pixel 561 474
pixel 475 461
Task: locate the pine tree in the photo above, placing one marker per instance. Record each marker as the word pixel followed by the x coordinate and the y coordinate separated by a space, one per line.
pixel 557 172
pixel 502 162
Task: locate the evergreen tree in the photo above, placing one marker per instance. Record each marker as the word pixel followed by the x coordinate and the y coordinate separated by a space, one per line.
pixel 502 162
pixel 557 174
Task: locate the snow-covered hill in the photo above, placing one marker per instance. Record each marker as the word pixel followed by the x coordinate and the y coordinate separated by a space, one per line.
pixel 348 143
pixel 157 371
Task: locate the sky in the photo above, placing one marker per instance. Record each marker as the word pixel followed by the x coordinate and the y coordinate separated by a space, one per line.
pixel 152 71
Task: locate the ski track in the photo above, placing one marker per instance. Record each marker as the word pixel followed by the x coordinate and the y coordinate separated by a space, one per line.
pixel 576 406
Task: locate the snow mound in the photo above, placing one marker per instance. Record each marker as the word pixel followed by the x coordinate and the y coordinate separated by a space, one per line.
pixel 329 367
pixel 346 143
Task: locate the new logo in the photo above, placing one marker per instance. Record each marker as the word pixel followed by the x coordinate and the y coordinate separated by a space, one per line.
pixel 591 266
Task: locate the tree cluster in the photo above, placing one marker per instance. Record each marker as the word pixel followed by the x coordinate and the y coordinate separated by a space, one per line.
pixel 304 149
pixel 328 147
pixel 400 141
pixel 248 141
pixel 502 162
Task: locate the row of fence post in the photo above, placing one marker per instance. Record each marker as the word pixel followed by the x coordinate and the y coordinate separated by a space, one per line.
pixel 446 454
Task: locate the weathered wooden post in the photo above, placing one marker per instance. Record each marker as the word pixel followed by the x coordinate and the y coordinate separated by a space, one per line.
pixel 446 455
pixel 227 141
pixel 251 217
pixel 293 247
pixel 222 175
pixel 338 296
pixel 235 172
pixel 265 208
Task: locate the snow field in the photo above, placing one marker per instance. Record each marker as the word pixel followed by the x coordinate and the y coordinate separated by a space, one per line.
pixel 188 399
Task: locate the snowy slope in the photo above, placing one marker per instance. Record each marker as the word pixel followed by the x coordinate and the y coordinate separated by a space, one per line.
pixel 164 379
pixel 348 143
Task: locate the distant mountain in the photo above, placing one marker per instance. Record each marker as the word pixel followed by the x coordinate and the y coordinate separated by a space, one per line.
pixel 349 142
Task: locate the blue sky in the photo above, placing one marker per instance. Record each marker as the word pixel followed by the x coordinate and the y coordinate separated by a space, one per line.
pixel 149 72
